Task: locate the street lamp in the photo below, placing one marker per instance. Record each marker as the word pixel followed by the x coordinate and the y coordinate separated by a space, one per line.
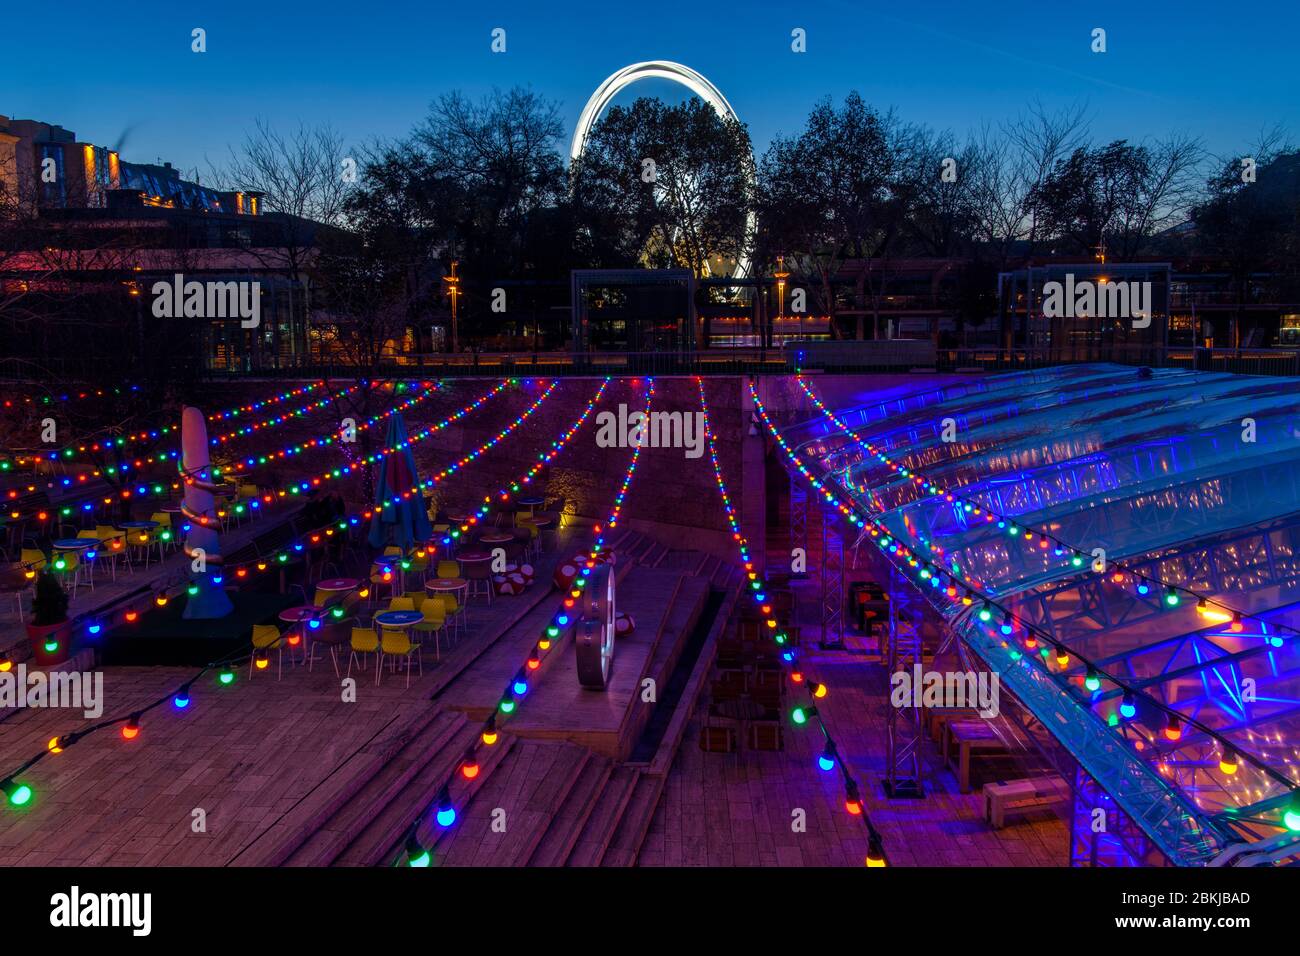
pixel 780 274
pixel 453 290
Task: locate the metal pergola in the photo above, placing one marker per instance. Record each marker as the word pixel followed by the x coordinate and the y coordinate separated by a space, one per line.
pixel 1189 478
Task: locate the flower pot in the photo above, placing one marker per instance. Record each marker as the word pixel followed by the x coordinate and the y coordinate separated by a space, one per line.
pixel 39 634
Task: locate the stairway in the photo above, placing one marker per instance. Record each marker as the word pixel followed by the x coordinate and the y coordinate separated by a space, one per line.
pixel 535 801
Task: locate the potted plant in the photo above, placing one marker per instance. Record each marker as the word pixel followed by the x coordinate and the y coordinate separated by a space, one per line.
pixel 47 629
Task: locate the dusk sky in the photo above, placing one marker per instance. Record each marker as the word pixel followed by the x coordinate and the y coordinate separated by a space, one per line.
pixel 1220 72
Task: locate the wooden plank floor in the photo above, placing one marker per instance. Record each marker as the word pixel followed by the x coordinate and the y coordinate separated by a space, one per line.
pixel 246 755
pixel 736 809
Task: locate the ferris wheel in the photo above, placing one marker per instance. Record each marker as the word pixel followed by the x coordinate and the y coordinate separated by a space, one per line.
pixel 594 641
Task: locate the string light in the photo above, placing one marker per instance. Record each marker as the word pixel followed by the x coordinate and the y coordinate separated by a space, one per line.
pixel 416 855
pixel 18 794
pixel 468 769
pixel 1171 595
pixel 800 714
pixel 446 813
pixel 1211 609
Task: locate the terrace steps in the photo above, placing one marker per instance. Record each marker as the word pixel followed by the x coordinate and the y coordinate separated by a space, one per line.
pixel 514 809
pixel 428 752
pixel 570 817
pixel 394 773
pixel 565 803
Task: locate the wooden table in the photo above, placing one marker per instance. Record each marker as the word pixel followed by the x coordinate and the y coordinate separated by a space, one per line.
pixel 969 736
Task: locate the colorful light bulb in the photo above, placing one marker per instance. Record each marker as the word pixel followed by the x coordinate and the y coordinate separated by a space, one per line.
pixel 1228 761
pixel 1173 728
pixel 446 813
pixel 1291 816
pixel 827 759
pixel 1127 707
pixel 469 767
pixel 131 729
pixel 876 852
pixel 416 855
pixel 19 794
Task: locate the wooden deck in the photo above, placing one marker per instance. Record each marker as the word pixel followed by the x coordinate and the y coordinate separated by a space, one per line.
pixel 288 774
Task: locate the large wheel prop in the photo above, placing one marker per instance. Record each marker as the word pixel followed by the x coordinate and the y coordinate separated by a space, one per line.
pixel 693 81
pixel 595 629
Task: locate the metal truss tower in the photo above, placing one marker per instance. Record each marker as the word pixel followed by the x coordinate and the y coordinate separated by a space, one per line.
pixel 798 520
pixel 903 725
pixel 832 583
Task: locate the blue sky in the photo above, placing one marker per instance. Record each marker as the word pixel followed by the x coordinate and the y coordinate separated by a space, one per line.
pixel 370 68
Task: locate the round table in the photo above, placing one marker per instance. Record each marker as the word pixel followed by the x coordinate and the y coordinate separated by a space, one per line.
pixel 496 539
pixel 301 615
pixel 137 525
pixel 338 584
pixel 75 544
pixel 296 615
pixel 445 584
pixel 530 503
pixel 460 518
pixel 398 619
pixel 473 556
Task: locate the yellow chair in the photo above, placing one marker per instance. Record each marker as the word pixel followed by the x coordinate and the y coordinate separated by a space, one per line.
pixel 33 559
pixel 401 604
pixel 448 569
pixel 65 564
pixel 417 599
pixel 266 637
pixel 435 621
pixel 394 644
pixel 142 541
pixel 419 561
pixel 113 540
pixel 365 640
pixel 453 612
pixel 534 546
pixel 167 536
pixel 351 601
pixel 378 578
pixel 92 554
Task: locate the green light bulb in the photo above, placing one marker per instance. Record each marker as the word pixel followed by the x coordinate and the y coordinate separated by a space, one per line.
pixel 22 795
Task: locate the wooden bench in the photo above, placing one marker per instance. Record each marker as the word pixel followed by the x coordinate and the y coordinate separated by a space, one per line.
pixel 969 736
pixel 934 719
pixel 1017 796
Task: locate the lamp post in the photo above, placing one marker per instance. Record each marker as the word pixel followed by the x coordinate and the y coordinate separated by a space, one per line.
pixel 780 274
pixel 453 290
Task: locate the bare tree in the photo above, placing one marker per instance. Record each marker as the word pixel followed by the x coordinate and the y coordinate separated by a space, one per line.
pixel 1013 161
pixel 301 174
